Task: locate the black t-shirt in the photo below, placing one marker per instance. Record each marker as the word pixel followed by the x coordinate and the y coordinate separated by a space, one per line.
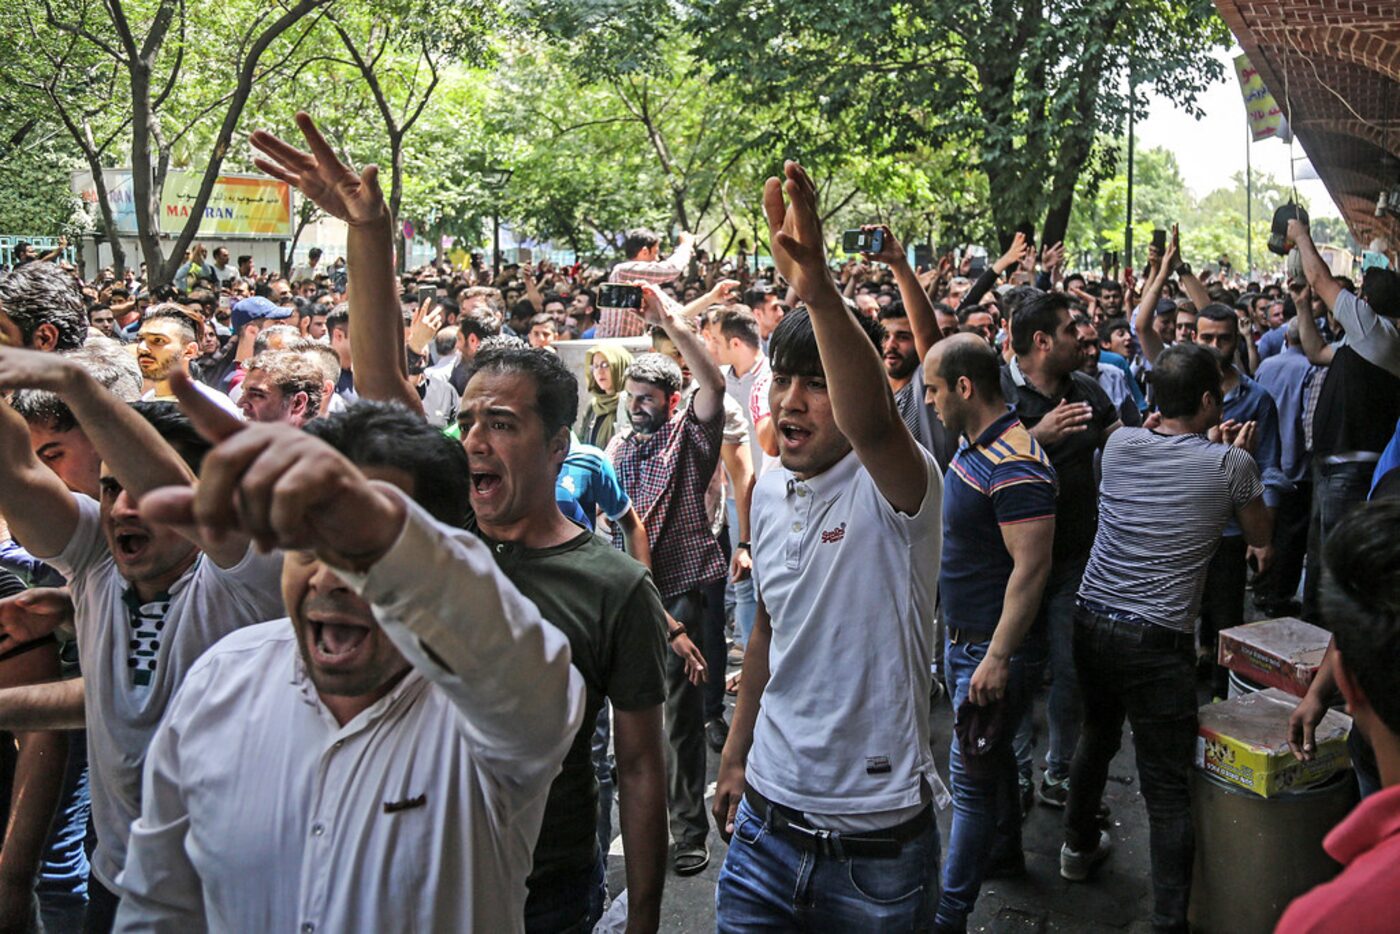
pixel 607 606
pixel 1077 502
pixel 1357 408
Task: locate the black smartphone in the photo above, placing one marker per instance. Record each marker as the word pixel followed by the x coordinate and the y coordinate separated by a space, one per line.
pixel 617 295
pixel 1159 240
pixel 426 292
pixel 863 241
pixel 923 255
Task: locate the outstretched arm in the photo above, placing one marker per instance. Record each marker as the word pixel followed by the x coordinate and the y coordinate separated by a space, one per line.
pixel 861 401
pixel 658 308
pixel 922 320
pixel 376 320
pixel 1147 335
pixel 1319 276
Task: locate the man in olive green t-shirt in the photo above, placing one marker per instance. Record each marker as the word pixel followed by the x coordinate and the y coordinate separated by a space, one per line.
pixel 514 422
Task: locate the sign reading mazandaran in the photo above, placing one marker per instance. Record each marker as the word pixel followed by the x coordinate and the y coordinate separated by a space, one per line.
pixel 239 205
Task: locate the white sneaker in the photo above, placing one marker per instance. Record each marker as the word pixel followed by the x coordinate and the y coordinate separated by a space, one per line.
pixel 1076 866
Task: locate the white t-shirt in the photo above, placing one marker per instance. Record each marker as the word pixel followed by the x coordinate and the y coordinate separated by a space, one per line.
pixel 132 665
pixel 850 585
pixel 209 392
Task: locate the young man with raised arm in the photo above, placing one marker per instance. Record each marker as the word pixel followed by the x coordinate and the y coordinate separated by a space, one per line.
pixel 826 783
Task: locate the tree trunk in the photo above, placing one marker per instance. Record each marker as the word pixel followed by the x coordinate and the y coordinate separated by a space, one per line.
pixel 396 197
pixel 144 195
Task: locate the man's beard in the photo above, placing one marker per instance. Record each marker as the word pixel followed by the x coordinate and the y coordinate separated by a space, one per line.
pixel 647 424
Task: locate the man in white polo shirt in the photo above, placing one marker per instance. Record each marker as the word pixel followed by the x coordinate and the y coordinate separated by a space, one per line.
pixel 826 783
pixel 147 600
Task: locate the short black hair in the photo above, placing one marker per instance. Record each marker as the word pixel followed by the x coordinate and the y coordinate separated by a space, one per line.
pixel 244 258
pixel 1181 375
pixel 1217 311
pixel 658 370
pixel 894 309
pixel 338 320
pixel 556 389
pixel 41 293
pixel 1381 289
pixel 171 312
pixel 792 347
pixel 737 322
pixel 385 434
pixel 1112 326
pixel 1360 601
pixel 177 430
pixel 483 326
pixel 637 240
pixel 975 360
pixel 1037 314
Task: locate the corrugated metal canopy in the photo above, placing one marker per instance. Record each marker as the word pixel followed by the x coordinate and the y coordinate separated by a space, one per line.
pixel 1334 68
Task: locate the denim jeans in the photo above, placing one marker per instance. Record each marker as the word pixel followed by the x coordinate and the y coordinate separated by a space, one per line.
pixel 986 810
pixel 1053 644
pixel 1125 669
pixel 745 602
pixel 771 884
pixel 568 904
pixel 1336 489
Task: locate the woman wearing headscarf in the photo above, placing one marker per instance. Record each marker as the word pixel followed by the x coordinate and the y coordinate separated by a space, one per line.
pixel 607 367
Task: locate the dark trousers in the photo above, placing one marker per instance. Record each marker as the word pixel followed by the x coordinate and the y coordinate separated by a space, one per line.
pixel 1276 586
pixel 715 650
pixel 101 909
pixel 567 903
pixel 685 731
pixel 1146 674
pixel 1222 603
pixel 1336 489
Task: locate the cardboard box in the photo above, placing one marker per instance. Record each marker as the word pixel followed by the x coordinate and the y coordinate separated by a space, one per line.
pixel 1245 742
pixel 1280 653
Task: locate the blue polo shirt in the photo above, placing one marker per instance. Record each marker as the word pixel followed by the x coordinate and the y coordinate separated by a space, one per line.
pixel 1002 478
pixel 587 476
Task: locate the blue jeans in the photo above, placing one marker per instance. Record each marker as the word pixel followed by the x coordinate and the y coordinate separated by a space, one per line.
pixel 745 603
pixel 1054 644
pixel 1133 670
pixel 771 884
pixel 567 904
pixel 986 810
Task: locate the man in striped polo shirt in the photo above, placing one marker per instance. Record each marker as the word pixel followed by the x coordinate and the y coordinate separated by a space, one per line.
pixel 1167 494
pixel 998 536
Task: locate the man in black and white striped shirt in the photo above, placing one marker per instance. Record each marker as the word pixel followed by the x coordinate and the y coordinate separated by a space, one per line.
pixel 1166 496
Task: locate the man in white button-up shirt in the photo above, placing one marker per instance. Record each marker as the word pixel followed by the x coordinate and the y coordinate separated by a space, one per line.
pixel 826 782
pixel 380 762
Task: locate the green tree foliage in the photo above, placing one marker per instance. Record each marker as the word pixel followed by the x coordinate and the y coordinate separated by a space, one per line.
pixel 1025 89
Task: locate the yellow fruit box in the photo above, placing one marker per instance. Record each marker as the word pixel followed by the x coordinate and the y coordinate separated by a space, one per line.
pixel 1245 742
pixel 1278 653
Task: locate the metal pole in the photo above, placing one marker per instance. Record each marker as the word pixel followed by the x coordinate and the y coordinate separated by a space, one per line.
pixel 1128 232
pixel 1248 203
pixel 495 245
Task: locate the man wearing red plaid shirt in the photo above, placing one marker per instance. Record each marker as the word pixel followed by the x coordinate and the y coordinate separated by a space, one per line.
pixel 665 464
pixel 642 248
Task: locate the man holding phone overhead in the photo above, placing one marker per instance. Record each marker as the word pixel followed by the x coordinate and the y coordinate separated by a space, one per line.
pixel 642 247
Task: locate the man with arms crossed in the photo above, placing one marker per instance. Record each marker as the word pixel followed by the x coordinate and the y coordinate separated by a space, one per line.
pixel 827 797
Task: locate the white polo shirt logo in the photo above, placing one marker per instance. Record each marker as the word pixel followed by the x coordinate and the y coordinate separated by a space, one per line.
pixel 835 535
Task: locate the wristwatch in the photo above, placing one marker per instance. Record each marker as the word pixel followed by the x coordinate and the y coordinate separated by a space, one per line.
pixel 676 633
pixel 743 545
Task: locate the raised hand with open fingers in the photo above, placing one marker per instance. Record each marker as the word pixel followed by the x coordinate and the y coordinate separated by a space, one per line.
pixel 795 229
pixel 320 175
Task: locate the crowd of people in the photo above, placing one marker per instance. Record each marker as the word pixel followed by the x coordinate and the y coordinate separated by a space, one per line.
pixel 326 604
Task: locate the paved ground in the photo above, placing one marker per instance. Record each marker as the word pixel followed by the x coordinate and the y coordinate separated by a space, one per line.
pixel 1117 900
